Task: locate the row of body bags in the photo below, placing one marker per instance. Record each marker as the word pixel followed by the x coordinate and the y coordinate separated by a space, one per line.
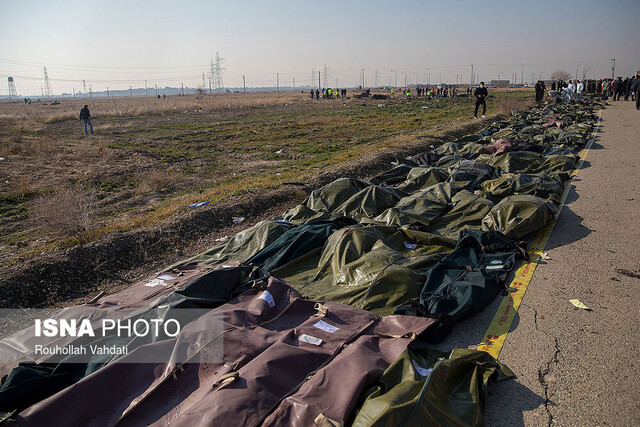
pixel 323 316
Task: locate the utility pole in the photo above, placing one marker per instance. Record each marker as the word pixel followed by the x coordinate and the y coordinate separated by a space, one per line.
pixel 522 75
pixel 90 92
pixel 376 79
pixel 47 85
pixel 244 84
pixel 146 93
pixel 471 79
pixel 130 91
pixel 156 87
pixel 405 79
pixel 318 80
pixel 277 82
pixel 209 85
pixel 577 68
pixel 74 92
pixel 613 68
pixel 216 72
pixel 362 71
pixel 182 88
pixel 325 79
pixel 84 84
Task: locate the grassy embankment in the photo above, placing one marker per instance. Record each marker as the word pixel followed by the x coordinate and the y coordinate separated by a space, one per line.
pixel 150 158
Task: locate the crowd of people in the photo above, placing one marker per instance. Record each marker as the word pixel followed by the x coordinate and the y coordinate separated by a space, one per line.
pixel 617 89
pixel 328 93
pixel 428 92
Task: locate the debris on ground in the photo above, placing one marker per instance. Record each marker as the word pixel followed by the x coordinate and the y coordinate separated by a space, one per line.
pixel 197 205
pixel 578 304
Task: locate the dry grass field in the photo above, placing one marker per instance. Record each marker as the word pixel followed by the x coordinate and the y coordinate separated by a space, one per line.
pixel 150 158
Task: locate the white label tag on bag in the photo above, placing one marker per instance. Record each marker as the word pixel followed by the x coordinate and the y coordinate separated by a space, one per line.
pixel 321 324
pixel 166 277
pixel 266 295
pixel 420 370
pixel 155 282
pixel 309 339
pixel 410 245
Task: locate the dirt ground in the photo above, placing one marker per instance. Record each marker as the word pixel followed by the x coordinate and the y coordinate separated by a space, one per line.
pixel 578 367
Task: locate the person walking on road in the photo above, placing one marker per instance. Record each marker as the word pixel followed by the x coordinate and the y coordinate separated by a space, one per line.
pixel 85 115
pixel 481 96
pixel 617 89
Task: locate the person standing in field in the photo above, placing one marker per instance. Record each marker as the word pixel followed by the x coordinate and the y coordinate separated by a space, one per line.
pixel 85 115
pixel 481 96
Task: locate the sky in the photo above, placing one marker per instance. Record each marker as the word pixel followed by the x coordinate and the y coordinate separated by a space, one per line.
pixel 118 44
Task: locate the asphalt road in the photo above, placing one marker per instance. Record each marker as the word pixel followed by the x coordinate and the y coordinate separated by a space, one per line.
pixel 578 367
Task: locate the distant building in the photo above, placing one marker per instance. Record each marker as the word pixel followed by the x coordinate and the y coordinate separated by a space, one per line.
pixel 500 83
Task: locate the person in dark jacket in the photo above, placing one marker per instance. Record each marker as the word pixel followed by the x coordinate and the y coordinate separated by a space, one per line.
pixel 539 87
pixel 637 92
pixel 85 115
pixel 617 89
pixel 481 96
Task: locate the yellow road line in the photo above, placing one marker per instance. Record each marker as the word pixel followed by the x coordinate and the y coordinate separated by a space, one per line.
pixel 499 328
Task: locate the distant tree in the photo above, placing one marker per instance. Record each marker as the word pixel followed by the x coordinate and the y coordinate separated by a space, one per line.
pixel 200 91
pixel 560 75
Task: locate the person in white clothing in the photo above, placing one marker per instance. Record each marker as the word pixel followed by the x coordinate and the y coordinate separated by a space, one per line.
pixel 579 90
pixel 569 90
